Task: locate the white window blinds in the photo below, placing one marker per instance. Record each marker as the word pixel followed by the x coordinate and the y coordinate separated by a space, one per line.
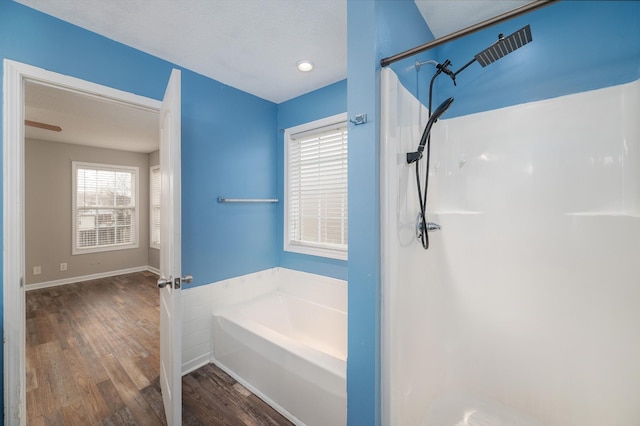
pixel 154 197
pixel 105 199
pixel 317 189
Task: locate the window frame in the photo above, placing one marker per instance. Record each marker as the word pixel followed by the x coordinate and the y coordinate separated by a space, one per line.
pixel 301 247
pixel 74 207
pixel 153 244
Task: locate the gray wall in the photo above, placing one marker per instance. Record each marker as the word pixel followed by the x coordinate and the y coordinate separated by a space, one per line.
pixel 48 220
pixel 154 254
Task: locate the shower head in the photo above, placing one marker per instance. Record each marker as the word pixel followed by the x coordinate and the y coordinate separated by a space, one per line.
pixel 504 46
pixel 500 48
pixel 415 156
pixel 439 111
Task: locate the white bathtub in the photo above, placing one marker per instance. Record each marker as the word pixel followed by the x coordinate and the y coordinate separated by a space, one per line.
pixel 285 338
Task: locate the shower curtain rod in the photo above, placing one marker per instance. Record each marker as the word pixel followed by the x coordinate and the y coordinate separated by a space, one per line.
pixel 529 7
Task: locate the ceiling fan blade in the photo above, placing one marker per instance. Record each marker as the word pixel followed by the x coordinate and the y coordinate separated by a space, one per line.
pixel 43 125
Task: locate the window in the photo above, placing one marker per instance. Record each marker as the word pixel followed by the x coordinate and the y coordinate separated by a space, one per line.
pixel 316 188
pixel 104 207
pixel 154 207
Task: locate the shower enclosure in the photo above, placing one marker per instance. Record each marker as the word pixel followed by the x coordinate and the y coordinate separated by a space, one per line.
pixel 524 311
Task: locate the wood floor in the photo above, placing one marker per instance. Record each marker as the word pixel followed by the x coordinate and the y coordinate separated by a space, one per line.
pixel 92 359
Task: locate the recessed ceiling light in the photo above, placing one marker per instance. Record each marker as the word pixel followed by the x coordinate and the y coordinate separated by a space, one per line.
pixel 305 65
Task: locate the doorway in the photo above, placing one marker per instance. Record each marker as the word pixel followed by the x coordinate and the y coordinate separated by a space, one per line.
pixel 14 268
pixel 87 191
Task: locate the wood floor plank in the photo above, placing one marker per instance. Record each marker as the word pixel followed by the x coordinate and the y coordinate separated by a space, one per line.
pixel 122 417
pixel 59 327
pixel 153 397
pixel 149 366
pixel 110 395
pixel 76 413
pixel 128 391
pixel 194 401
pixel 34 404
pixel 96 369
pixel 89 395
pixel 55 419
pixel 44 331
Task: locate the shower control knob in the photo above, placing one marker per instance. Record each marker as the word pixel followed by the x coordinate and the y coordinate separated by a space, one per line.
pixel 433 227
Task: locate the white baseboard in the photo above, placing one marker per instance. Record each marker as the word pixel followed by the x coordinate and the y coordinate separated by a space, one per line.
pixel 70 280
pixel 154 270
pixel 196 363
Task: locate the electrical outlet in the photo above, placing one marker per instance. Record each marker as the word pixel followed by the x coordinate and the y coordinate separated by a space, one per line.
pixel 63 266
pixel 37 270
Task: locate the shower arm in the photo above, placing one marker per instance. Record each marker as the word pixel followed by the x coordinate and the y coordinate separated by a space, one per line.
pixel 443 68
pixel 464 67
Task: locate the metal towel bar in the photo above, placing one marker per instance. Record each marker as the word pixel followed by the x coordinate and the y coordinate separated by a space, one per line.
pixel 247 200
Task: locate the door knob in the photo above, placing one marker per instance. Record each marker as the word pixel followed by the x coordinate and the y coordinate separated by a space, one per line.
pixel 187 279
pixel 163 282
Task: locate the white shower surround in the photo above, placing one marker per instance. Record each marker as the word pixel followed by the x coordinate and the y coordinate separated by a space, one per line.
pixel 525 306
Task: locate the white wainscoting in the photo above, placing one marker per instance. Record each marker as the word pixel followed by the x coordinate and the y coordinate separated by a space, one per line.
pixel 196 327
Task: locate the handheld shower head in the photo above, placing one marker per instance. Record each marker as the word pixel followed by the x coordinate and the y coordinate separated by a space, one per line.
pixel 504 46
pixel 435 115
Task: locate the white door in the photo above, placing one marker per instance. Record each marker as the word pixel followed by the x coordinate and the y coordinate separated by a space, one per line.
pixel 170 249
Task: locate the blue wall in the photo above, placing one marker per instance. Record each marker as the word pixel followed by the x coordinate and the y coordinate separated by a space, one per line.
pixel 222 154
pixel 321 103
pixel 375 29
pixel 577 46
pixel 363 360
pixel 229 150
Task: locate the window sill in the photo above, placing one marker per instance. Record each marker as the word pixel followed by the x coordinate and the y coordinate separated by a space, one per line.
pixel 316 251
pixel 77 251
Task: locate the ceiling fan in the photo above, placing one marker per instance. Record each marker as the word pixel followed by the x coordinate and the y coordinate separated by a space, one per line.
pixel 42 125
